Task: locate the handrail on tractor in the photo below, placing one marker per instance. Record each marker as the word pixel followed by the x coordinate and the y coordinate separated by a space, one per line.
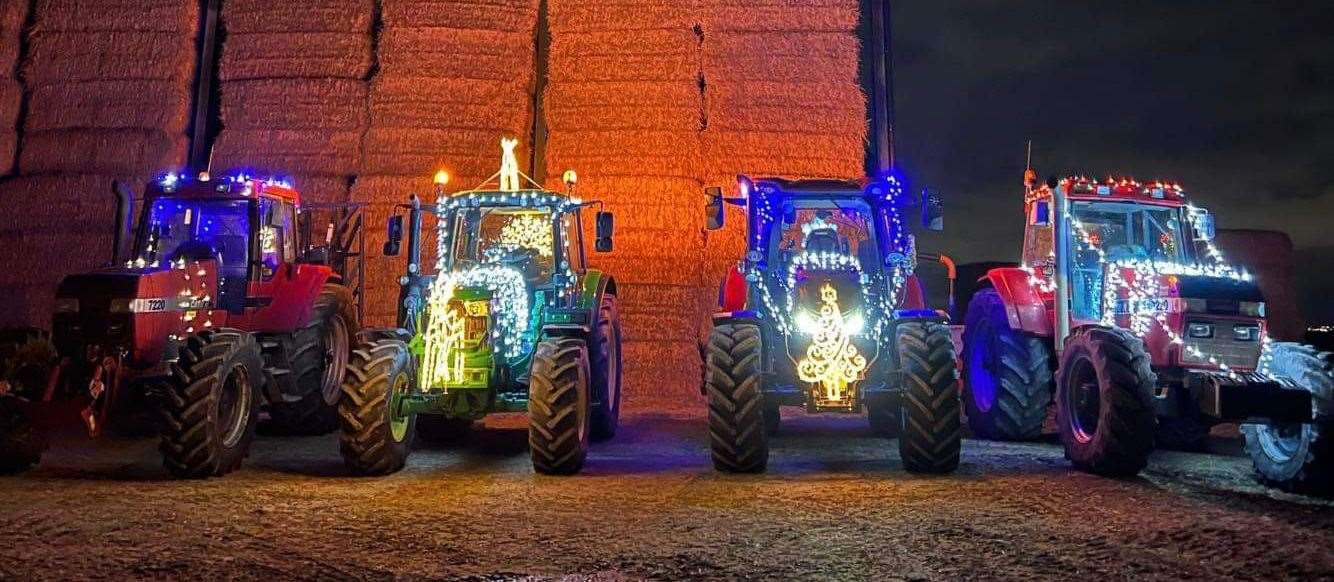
pixel 951 272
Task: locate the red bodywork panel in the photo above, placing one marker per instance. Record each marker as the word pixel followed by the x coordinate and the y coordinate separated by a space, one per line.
pixel 1027 308
pixel 732 292
pixel 167 308
pixel 913 298
pixel 284 300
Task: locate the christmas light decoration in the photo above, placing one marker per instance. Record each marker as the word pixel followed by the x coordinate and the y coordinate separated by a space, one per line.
pixel 528 231
pixel 442 358
pixel 832 361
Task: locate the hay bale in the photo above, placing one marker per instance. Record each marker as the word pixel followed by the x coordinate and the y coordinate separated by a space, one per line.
pixel 661 368
pixel 111 104
pixel 573 16
pixel 420 152
pixel 101 151
pixel 322 152
pixel 592 92
pixel 11 101
pixel 643 189
pixel 641 298
pixel 682 42
pixel 513 16
pixel 322 189
pixel 9 144
pixel 836 108
pixel 628 144
pixel 784 154
pixel 294 104
pixel 64 57
pixel 668 67
pixel 636 270
pixel 668 243
pixel 433 103
pixel 680 118
pixel 809 56
pixel 13 15
pixel 456 53
pixel 659 327
pixel 267 16
pixel 840 16
pixel 269 55
pixel 179 16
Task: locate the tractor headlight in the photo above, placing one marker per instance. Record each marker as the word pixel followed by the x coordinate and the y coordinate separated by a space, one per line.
pixel 67 305
pixel 1252 308
pixel 122 305
pixel 1246 333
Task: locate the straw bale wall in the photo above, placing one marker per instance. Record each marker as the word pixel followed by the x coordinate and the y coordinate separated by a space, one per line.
pixel 12 17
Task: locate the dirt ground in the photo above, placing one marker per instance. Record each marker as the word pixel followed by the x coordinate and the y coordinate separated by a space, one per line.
pixel 835 504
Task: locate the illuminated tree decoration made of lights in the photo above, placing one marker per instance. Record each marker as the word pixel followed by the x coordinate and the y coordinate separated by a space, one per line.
pixel 442 361
pixel 832 361
pixel 528 231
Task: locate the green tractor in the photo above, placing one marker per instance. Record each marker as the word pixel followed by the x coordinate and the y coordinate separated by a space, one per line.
pixel 511 320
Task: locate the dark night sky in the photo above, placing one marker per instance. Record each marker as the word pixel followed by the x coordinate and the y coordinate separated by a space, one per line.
pixel 1235 100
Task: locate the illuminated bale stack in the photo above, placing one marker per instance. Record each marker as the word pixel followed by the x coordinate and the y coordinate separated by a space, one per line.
pixel 624 109
pixel 12 17
pixel 293 92
pixel 782 99
pixel 108 93
pixel 454 77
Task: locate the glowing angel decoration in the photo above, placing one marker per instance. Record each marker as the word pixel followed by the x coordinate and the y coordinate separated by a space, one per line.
pixel 831 361
pixel 509 166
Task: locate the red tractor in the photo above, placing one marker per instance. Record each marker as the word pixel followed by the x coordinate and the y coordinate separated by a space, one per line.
pixel 221 307
pixel 1150 334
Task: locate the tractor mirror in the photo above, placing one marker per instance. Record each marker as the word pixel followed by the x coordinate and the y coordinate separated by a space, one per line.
pixel 1205 228
pixel 933 211
pixel 1042 213
pixel 606 225
pixel 394 242
pixel 713 210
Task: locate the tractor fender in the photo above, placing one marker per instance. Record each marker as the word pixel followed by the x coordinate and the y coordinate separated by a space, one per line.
pixel 288 298
pixel 732 291
pixel 1024 305
pixel 592 287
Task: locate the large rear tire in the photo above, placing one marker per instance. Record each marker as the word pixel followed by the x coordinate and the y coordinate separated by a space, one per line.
pixel 605 359
pixel 211 406
pixel 1104 402
pixel 738 437
pixel 1007 374
pixel 1298 457
pixel 559 408
pixel 375 439
pixel 316 361
pixel 932 431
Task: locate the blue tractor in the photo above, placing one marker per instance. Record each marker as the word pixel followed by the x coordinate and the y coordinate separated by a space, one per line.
pixel 824 312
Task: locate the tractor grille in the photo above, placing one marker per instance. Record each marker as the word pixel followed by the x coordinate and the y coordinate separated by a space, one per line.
pixel 1223 346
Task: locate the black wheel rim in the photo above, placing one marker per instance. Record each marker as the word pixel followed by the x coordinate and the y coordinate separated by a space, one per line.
pixel 234 405
pixel 981 379
pixel 1083 400
pixel 335 360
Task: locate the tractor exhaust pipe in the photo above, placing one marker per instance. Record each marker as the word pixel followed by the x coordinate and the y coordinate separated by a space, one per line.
pixel 124 212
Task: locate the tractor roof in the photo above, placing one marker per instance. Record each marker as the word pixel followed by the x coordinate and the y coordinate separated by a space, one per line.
pixel 520 198
pixel 1125 189
pixel 875 190
pixel 239 186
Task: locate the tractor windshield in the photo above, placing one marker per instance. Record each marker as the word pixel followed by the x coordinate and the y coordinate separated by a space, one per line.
pixel 522 238
pixel 196 229
pixel 826 226
pixel 1104 232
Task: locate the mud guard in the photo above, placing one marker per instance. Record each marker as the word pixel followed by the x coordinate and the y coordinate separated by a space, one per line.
pixel 1025 309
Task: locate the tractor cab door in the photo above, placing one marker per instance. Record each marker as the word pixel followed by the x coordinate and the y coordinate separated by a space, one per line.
pixel 280 289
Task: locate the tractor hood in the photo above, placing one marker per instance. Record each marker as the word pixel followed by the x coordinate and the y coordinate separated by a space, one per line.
pixel 1217 288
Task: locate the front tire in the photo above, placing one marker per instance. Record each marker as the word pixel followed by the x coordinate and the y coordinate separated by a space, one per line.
pixel 1007 374
pixel 605 359
pixel 374 439
pixel 317 357
pixel 932 432
pixel 1298 457
pixel 1104 402
pixel 738 439
pixel 558 406
pixel 211 406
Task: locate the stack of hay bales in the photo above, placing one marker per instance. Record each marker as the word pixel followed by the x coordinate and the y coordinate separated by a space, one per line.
pixel 624 110
pixel 12 17
pixel 782 99
pixel 108 86
pixel 454 77
pixel 108 92
pixel 293 91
